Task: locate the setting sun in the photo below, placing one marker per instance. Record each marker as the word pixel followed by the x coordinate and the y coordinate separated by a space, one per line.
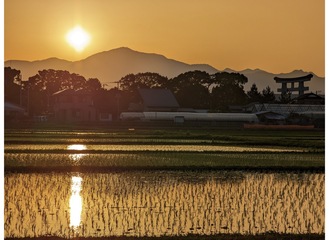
pixel 78 38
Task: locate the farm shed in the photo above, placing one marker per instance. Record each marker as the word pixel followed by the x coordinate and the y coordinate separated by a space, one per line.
pixel 14 111
pixel 286 109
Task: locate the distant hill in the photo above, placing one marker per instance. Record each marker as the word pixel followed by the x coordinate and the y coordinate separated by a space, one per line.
pixel 110 66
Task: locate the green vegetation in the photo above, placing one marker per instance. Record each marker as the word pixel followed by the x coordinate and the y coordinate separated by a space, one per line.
pixel 308 140
pixel 165 203
pixel 125 149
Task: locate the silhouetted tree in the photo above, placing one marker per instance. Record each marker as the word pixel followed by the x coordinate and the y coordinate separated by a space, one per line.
pixel 268 95
pixel 130 84
pixel 12 85
pixel 253 94
pixel 191 89
pixel 56 80
pixel 285 97
pixel 228 90
pixel 93 84
pixel 225 78
pixel 42 86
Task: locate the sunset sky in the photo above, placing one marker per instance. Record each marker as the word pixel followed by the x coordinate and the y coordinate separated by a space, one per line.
pixel 274 35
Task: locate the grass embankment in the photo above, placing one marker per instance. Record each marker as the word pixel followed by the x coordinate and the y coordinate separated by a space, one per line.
pixel 296 150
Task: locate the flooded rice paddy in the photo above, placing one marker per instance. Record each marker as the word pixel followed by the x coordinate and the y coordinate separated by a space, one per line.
pixel 158 203
pixel 146 147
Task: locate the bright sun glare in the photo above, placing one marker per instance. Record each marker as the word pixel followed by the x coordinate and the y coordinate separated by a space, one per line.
pixel 75 202
pixel 78 38
pixel 77 147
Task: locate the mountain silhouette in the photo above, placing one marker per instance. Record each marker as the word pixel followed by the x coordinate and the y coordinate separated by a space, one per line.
pixel 110 66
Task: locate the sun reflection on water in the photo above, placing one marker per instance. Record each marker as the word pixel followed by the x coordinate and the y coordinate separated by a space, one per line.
pixel 77 156
pixel 77 147
pixel 75 202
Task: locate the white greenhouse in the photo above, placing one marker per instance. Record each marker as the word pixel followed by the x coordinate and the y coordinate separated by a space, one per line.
pixel 190 116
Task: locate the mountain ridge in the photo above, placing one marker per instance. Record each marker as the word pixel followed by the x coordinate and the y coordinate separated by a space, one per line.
pixel 111 65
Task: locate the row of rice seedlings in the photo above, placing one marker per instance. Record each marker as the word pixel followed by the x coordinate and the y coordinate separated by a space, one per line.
pixel 190 202
pixel 34 204
pixel 103 140
pixel 306 140
pixel 164 159
pixel 164 203
pixel 152 147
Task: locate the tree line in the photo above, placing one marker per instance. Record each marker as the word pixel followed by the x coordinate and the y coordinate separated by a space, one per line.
pixel 193 89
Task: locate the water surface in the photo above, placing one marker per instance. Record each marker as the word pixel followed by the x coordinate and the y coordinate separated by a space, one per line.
pixel 162 203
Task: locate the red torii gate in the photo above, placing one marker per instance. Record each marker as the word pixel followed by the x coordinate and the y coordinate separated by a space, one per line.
pixel 300 80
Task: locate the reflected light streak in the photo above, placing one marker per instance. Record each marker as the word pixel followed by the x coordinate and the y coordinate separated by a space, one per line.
pixel 75 202
pixel 77 156
pixel 77 147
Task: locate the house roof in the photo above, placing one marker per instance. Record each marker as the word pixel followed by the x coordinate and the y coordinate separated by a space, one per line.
pixel 308 96
pixel 158 98
pixel 271 115
pixel 286 109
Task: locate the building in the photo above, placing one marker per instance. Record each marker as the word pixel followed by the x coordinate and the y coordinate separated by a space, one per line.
pixel 285 109
pixel 301 114
pixel 158 100
pixel 14 111
pixel 74 106
pixel 308 98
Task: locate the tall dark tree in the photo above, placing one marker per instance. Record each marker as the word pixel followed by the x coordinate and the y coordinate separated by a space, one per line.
pixel 190 78
pixel 12 85
pixel 253 94
pixel 227 95
pixel 268 95
pixel 41 87
pixel 56 80
pixel 93 84
pixel 191 89
pixel 225 78
pixel 130 84
pixel 285 97
pixel 228 90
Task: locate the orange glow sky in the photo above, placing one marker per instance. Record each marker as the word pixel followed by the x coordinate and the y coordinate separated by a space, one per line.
pixel 274 35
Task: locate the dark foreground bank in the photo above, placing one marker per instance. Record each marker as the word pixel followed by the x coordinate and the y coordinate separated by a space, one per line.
pixel 265 236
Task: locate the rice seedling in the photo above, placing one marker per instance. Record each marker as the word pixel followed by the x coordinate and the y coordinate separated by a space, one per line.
pixel 162 160
pixel 310 140
pixel 163 203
